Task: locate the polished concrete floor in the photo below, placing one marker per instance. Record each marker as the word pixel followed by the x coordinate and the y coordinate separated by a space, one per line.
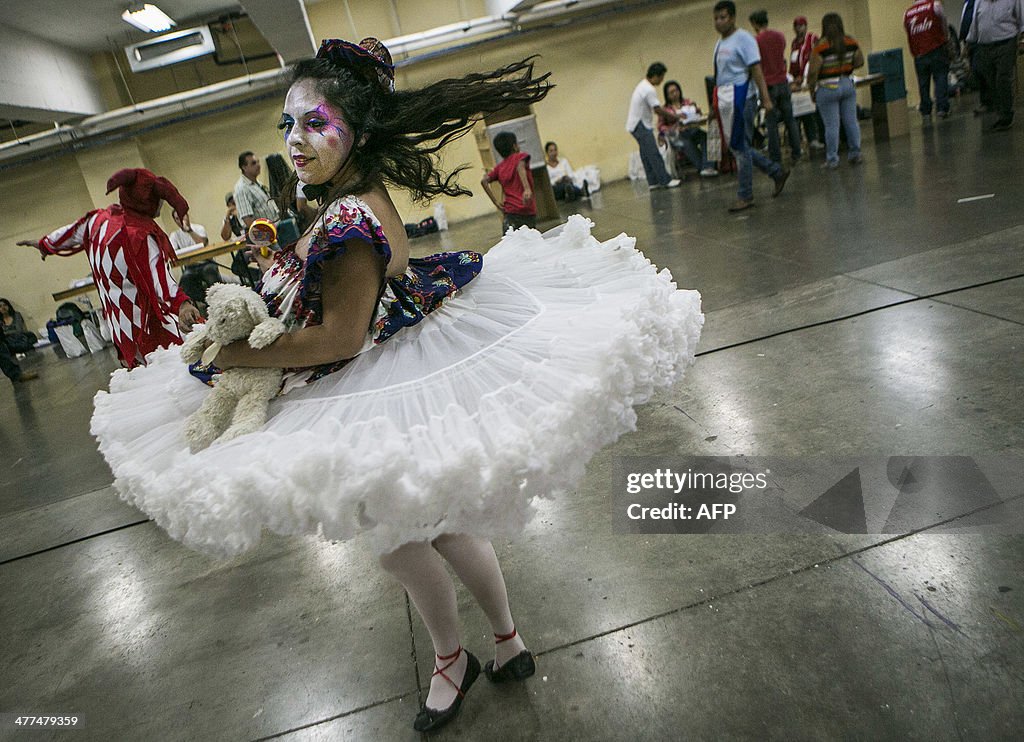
pixel 867 313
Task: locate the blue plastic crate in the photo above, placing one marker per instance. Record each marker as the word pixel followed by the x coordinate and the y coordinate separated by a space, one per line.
pixel 890 63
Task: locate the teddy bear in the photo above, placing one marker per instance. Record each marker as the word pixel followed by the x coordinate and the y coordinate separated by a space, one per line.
pixel 238 403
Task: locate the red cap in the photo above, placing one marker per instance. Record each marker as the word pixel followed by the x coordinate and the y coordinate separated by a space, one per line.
pixel 799 21
pixel 141 191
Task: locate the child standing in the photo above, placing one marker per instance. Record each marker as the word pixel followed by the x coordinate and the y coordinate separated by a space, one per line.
pixel 516 181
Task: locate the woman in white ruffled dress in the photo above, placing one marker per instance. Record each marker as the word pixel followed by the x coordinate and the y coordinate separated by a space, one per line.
pixel 426 403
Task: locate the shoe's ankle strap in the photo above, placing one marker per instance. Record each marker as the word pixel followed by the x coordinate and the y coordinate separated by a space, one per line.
pixel 499 638
pixel 452 659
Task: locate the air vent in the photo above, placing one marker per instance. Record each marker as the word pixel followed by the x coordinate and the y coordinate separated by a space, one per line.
pixel 170 49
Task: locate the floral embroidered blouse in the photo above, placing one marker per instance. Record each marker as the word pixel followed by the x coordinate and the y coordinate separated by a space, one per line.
pixel 293 292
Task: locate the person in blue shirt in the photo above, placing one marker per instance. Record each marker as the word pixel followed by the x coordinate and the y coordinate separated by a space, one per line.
pixel 737 64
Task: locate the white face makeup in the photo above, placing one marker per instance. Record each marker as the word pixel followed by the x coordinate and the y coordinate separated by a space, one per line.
pixel 318 137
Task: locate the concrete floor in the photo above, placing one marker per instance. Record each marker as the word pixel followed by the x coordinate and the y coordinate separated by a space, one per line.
pixel 865 313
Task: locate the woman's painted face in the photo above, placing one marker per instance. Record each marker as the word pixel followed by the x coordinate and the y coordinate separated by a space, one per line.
pixel 552 151
pixel 675 95
pixel 318 137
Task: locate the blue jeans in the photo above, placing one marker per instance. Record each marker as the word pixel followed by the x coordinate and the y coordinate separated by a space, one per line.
pixel 933 66
pixel 748 158
pixel 782 110
pixel 654 166
pixel 694 144
pixel 839 104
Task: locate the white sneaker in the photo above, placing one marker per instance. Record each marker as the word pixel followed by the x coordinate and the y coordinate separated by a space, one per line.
pixel 816 145
pixel 708 172
pixel 674 183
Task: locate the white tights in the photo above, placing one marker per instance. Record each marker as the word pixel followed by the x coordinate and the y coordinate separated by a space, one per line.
pixel 420 569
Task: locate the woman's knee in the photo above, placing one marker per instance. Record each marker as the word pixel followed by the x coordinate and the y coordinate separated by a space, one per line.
pixel 401 559
pixel 447 541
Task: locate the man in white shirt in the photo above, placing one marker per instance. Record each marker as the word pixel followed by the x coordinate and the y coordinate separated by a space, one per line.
pixel 643 107
pixel 182 238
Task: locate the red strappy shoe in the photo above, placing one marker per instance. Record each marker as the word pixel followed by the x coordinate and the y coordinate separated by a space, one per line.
pixel 429 719
pixel 519 667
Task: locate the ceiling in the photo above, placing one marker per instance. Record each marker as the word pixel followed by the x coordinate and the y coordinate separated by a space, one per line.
pixel 64 22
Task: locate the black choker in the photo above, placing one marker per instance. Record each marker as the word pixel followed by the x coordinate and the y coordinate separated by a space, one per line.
pixel 317 192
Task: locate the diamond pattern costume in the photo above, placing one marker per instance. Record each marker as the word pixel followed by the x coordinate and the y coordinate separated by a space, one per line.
pixel 129 256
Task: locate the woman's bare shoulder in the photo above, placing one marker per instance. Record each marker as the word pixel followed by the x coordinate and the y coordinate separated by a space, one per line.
pixel 384 209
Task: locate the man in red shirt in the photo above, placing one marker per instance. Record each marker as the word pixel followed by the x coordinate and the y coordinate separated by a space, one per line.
pixel 928 35
pixel 799 57
pixel 513 174
pixel 772 46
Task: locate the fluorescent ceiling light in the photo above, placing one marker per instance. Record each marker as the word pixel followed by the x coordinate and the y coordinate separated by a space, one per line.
pixel 147 17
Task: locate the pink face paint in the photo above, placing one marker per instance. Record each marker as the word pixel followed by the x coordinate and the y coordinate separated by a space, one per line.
pixel 319 139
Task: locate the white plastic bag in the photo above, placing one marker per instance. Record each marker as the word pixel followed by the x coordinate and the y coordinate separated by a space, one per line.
pixel 104 329
pixel 92 337
pixel 669 157
pixel 714 153
pixel 71 345
pixel 636 167
pixel 592 175
pixel 441 217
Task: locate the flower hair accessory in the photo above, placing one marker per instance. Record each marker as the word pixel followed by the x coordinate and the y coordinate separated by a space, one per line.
pixel 370 58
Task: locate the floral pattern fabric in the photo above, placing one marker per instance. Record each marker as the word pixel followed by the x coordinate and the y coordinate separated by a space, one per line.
pixel 292 288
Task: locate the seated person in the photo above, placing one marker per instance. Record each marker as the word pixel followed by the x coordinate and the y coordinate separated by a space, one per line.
pixel 561 175
pixel 12 325
pixel 197 278
pixel 9 366
pixel 182 238
pixel 231 228
pixel 686 136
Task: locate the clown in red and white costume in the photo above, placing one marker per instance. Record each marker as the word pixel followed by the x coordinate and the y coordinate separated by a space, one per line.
pixel 129 255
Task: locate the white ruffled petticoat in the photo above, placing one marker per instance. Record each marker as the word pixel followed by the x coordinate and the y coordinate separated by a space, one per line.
pixel 452 426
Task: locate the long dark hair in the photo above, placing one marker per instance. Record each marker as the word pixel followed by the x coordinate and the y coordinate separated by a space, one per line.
pixel 401 132
pixel 672 84
pixel 832 29
pixel 278 175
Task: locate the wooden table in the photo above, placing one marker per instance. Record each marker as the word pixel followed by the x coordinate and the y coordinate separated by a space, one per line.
pixel 185 256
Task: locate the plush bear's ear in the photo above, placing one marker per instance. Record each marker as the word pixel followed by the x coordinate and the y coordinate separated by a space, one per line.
pixel 213 293
pixel 255 306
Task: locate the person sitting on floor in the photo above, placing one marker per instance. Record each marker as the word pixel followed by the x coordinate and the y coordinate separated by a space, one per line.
pixel 9 367
pixel 561 175
pixel 18 337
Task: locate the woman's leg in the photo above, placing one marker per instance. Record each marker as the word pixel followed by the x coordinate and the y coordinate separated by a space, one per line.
pixel 476 564
pixel 828 107
pixel 848 114
pixel 421 571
